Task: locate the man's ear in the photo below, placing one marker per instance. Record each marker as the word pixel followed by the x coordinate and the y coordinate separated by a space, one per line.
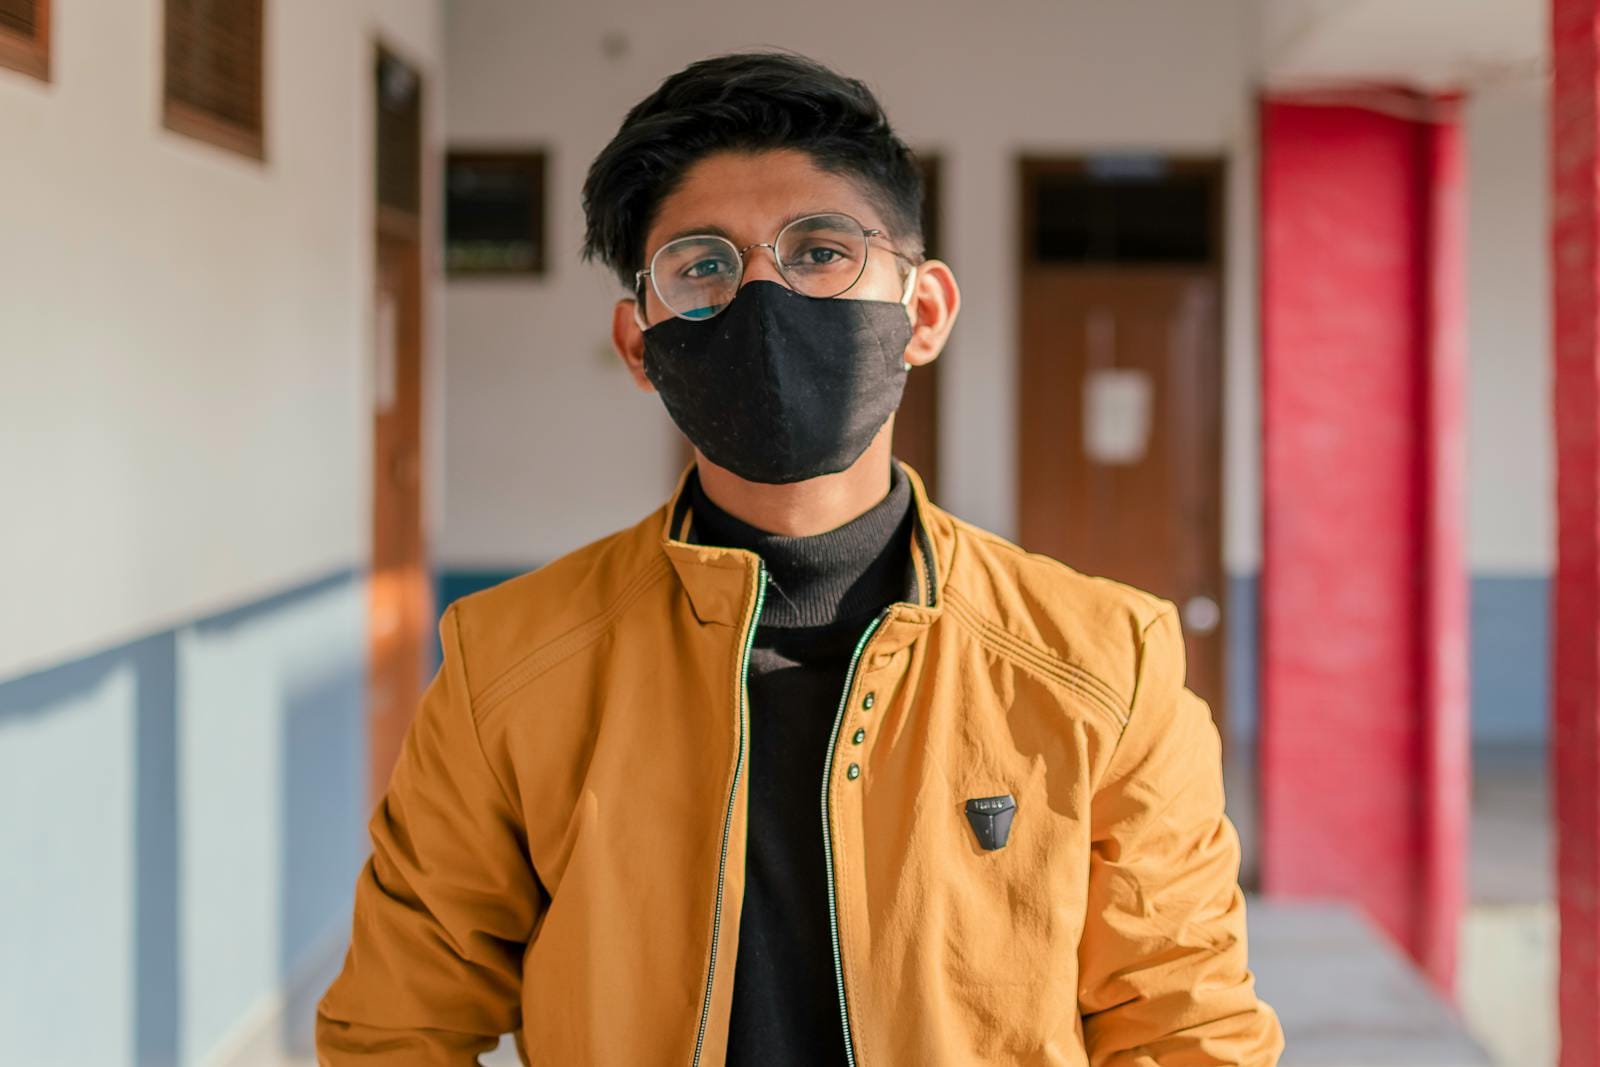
pixel 628 340
pixel 935 300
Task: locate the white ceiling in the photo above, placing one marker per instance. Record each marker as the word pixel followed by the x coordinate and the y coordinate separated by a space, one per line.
pixel 1433 44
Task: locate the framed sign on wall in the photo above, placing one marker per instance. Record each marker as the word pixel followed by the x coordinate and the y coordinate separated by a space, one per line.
pixel 494 213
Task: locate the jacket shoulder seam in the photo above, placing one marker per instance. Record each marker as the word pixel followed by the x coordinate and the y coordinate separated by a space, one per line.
pixel 452 625
pixel 567 643
pixel 1138 678
pixel 1144 641
pixel 1040 661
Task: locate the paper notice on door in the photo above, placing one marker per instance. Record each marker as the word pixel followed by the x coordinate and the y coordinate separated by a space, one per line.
pixel 386 341
pixel 1116 415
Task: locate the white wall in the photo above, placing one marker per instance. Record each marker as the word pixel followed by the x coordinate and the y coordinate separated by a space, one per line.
pixel 184 414
pixel 550 445
pixel 1510 444
pixel 185 431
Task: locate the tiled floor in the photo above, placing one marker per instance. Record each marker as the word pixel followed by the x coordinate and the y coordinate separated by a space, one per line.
pixel 1346 996
pixel 1507 982
pixel 1513 847
pixel 1506 972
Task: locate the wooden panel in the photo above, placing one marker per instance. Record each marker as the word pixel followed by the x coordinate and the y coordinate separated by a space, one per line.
pixel 214 70
pixel 400 605
pixel 402 616
pixel 399 172
pixel 25 36
pixel 20 17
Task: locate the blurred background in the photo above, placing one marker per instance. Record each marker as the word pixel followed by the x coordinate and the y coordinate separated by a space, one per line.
pixel 295 348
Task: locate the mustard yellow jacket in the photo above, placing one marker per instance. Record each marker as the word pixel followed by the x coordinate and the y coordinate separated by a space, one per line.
pixel 560 853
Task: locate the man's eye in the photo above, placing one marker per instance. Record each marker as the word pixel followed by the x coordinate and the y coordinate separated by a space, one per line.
pixel 710 267
pixel 818 256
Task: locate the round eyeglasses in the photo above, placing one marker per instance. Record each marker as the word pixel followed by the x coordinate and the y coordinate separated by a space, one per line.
pixel 819 255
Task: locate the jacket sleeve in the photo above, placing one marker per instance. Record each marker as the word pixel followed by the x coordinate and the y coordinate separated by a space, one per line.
pixel 1163 975
pixel 444 905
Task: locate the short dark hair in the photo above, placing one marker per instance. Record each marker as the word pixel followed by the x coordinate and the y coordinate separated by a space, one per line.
pixel 745 101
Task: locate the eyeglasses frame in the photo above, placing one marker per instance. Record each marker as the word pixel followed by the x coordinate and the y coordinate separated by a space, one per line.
pixel 868 232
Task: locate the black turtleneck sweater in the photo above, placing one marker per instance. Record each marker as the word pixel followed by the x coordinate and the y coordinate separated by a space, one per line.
pixel 822 591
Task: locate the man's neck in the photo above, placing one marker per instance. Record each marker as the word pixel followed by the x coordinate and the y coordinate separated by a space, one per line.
pixel 801 509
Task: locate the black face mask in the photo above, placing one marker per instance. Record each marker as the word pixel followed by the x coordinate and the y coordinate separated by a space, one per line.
pixel 779 386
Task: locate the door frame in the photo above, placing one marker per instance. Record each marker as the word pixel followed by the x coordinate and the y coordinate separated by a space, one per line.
pixel 412 231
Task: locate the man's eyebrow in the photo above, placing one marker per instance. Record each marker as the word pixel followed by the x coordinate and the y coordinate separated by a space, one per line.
pixel 691 231
pixel 713 228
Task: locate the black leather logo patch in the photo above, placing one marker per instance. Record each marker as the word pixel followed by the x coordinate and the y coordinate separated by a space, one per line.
pixel 991 819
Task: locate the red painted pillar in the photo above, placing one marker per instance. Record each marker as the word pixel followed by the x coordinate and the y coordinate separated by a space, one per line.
pixel 1445 615
pixel 1364 768
pixel 1575 733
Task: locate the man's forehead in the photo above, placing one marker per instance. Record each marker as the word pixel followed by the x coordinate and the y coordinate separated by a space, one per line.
pixel 749 196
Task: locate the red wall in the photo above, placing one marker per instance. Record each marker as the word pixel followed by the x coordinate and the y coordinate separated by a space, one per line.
pixel 1575 629
pixel 1363 760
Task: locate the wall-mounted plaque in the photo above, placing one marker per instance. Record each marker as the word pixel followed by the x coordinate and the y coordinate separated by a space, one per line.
pixel 494 213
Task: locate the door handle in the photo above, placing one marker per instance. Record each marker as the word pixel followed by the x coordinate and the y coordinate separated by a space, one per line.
pixel 1201 615
pixel 403 469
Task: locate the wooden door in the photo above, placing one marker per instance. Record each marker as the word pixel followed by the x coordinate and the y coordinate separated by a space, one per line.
pixel 1121 417
pixel 401 609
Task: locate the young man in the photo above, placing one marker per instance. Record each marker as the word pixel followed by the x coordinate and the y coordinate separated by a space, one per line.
pixel 801 768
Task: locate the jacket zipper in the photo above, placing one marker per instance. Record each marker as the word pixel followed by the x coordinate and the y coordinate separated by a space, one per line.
pixel 727 821
pixel 827 838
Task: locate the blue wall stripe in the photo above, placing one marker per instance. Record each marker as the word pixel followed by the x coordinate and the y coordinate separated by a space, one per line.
pixel 156 842
pixel 1511 659
pixel 1243 682
pixel 152 661
pixel 325 752
pixel 1509 650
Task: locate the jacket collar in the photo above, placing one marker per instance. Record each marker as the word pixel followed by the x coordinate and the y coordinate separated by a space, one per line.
pixel 721 581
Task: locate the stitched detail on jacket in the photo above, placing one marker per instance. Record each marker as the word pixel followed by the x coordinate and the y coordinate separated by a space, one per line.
pixel 1047 661
pixel 558 648
pixel 453 628
pixel 1144 648
pixel 1042 661
pixel 1138 678
pixel 994 540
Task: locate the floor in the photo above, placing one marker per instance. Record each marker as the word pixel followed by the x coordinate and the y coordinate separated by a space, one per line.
pixel 1507 985
pixel 1506 978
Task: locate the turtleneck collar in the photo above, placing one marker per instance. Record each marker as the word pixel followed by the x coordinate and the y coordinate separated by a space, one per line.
pixel 839 575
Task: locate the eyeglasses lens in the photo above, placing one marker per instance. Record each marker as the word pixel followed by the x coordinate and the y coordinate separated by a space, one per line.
pixel 820 256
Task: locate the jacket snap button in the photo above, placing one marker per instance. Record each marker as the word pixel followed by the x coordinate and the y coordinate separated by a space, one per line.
pixel 867 700
pixel 860 736
pixel 854 772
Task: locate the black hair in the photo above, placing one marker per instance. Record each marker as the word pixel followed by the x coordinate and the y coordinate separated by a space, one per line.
pixel 745 101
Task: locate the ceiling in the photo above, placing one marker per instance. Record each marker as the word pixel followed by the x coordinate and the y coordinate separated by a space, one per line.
pixel 1431 44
